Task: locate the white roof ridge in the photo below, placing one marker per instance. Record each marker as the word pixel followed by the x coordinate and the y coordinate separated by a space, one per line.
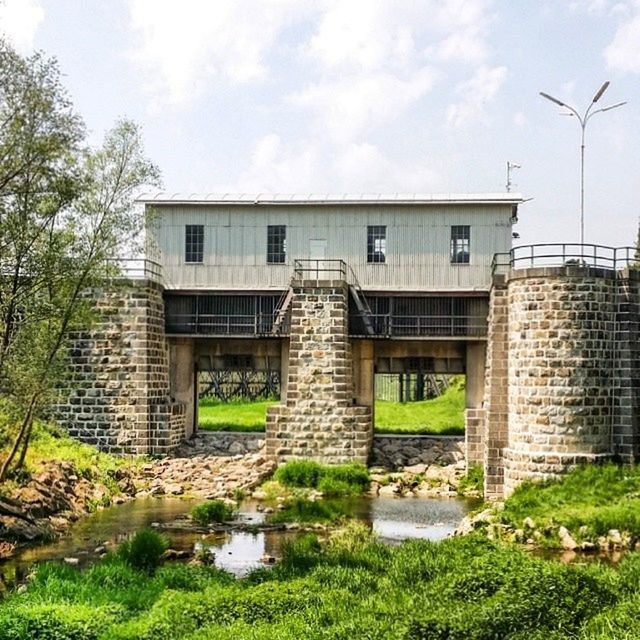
pixel 324 198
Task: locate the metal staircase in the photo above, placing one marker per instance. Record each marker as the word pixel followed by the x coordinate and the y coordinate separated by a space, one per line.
pixel 281 310
pixel 361 303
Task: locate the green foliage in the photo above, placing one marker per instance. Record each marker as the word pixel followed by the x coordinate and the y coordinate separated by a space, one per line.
pixel 598 497
pixel 235 415
pixel 144 550
pixel 303 510
pixel 473 480
pixel 338 480
pixel 443 415
pixel 212 511
pixel 65 213
pixel 349 587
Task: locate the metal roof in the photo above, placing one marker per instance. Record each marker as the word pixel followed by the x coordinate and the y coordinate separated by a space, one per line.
pixel 327 199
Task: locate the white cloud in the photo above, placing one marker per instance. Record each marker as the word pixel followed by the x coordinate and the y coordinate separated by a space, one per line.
pixel 351 106
pixel 477 92
pixel 519 119
pixel 318 166
pixel 277 168
pixel 378 58
pixel 185 46
pixel 364 34
pixel 623 54
pixel 19 21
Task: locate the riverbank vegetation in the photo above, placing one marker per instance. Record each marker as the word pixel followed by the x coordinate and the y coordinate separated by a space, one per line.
pixel 213 511
pixel 349 587
pixel 597 505
pixel 330 480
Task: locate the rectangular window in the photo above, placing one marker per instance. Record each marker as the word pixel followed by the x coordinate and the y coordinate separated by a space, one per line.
pixel 194 243
pixel 376 243
pixel 276 244
pixel 460 244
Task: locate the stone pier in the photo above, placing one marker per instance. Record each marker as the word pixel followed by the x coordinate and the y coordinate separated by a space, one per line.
pixel 319 418
pixel 118 396
pixel 563 374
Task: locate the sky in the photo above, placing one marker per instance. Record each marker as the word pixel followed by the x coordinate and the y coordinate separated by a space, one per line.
pixel 364 96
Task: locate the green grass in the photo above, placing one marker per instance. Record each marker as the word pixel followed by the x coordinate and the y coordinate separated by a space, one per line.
pixel 212 511
pixel 307 511
pixel 440 416
pixel 473 480
pixel 50 443
pixel 333 480
pixel 214 415
pixel 598 497
pixel 351 588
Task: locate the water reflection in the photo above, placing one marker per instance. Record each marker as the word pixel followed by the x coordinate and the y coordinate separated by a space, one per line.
pixel 393 519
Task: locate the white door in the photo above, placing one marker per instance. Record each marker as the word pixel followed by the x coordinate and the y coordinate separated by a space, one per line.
pixel 317 255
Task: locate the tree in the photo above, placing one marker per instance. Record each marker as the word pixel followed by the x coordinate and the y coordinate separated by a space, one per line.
pixel 65 213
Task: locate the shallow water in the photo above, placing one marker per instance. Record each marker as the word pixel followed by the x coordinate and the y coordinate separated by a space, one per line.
pixel 393 519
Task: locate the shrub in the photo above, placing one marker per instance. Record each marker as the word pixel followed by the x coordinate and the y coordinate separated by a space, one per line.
pixel 331 487
pixel 473 480
pixel 212 511
pixel 302 510
pixel 341 479
pixel 144 551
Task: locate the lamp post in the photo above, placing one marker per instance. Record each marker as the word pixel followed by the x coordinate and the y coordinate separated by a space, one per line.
pixel 583 119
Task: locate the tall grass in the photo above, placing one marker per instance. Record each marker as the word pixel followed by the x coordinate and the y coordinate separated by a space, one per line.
pixel 598 497
pixel 332 480
pixel 349 588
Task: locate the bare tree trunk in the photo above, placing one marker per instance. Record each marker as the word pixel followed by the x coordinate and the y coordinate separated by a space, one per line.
pixel 16 445
pixel 25 445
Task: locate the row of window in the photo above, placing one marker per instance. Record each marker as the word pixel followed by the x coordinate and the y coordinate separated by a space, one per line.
pixel 460 247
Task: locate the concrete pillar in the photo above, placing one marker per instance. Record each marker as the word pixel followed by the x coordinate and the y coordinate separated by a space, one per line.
pixel 182 380
pixel 284 369
pixel 364 375
pixel 474 414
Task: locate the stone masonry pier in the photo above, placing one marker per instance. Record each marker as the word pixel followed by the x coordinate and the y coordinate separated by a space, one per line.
pixel 118 394
pixel 562 372
pixel 317 418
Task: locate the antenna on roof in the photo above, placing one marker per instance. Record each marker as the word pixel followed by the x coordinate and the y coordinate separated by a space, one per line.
pixel 510 167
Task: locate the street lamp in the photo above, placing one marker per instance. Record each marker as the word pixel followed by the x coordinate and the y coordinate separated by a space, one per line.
pixel 583 124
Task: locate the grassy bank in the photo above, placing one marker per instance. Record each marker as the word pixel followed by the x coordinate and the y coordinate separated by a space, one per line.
pixel 50 443
pixel 443 415
pixel 214 415
pixel 589 502
pixel 350 588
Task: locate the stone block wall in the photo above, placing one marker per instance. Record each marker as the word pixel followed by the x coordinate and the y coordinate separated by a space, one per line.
pixel 117 396
pixel 626 392
pixel 496 431
pixel 562 342
pixel 318 419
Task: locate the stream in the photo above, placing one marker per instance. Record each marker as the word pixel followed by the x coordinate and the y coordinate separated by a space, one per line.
pixel 393 519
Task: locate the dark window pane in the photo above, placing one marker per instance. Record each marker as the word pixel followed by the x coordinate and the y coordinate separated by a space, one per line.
pixel 460 244
pixel 276 244
pixel 376 243
pixel 194 243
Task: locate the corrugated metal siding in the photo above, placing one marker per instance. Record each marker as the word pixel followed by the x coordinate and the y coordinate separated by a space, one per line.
pixel 418 239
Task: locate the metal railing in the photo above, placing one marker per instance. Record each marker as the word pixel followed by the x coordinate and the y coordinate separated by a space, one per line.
pixel 311 269
pixel 390 325
pixel 565 254
pixel 258 324
pixel 134 269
